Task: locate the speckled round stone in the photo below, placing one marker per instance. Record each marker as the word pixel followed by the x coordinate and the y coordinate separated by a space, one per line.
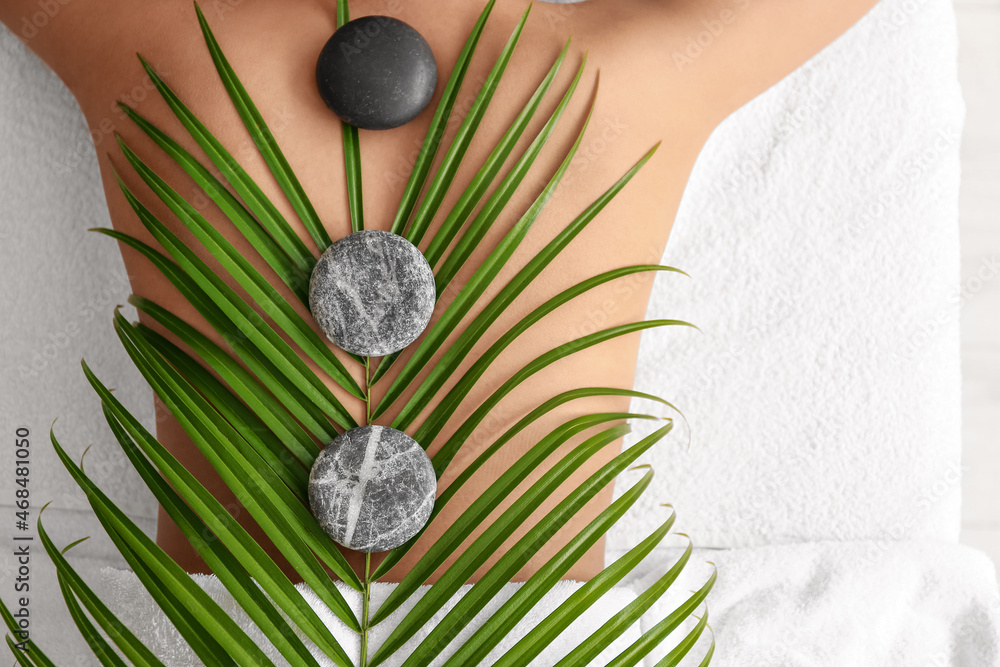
pixel 372 488
pixel 376 73
pixel 372 293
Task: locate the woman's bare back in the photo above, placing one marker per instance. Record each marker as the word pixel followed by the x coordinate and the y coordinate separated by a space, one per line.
pixel 669 71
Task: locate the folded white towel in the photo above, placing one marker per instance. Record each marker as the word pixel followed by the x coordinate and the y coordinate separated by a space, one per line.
pixel 129 600
pixel 919 603
pixel 823 604
pixel 820 230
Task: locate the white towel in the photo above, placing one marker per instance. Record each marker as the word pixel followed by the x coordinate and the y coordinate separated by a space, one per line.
pixel 923 603
pixel 132 602
pixel 820 230
pixel 823 604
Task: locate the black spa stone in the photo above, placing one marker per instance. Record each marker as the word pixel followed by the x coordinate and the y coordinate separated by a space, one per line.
pixel 372 488
pixel 376 73
pixel 372 293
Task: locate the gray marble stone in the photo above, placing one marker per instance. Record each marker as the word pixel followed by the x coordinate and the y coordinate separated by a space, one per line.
pixel 372 488
pixel 372 293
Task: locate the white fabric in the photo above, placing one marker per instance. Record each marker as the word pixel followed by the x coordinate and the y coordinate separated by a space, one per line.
pixel 862 604
pixel 918 603
pixel 819 228
pixel 131 601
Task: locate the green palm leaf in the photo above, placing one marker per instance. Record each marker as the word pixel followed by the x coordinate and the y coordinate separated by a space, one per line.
pixel 256 285
pixel 453 158
pixel 519 555
pixel 290 273
pixel 456 485
pixel 481 508
pixel 210 631
pixel 352 152
pixel 29 652
pixel 583 598
pixel 259 414
pixel 222 559
pixel 433 425
pixel 615 626
pixel 274 425
pixel 102 651
pixel 500 624
pixel 477 187
pixel 264 140
pixel 286 396
pixel 262 207
pixel 273 505
pixel 248 322
pixel 131 435
pixel 492 265
pixel 438 124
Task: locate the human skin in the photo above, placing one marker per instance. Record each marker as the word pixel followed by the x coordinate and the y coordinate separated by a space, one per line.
pixel 654 86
